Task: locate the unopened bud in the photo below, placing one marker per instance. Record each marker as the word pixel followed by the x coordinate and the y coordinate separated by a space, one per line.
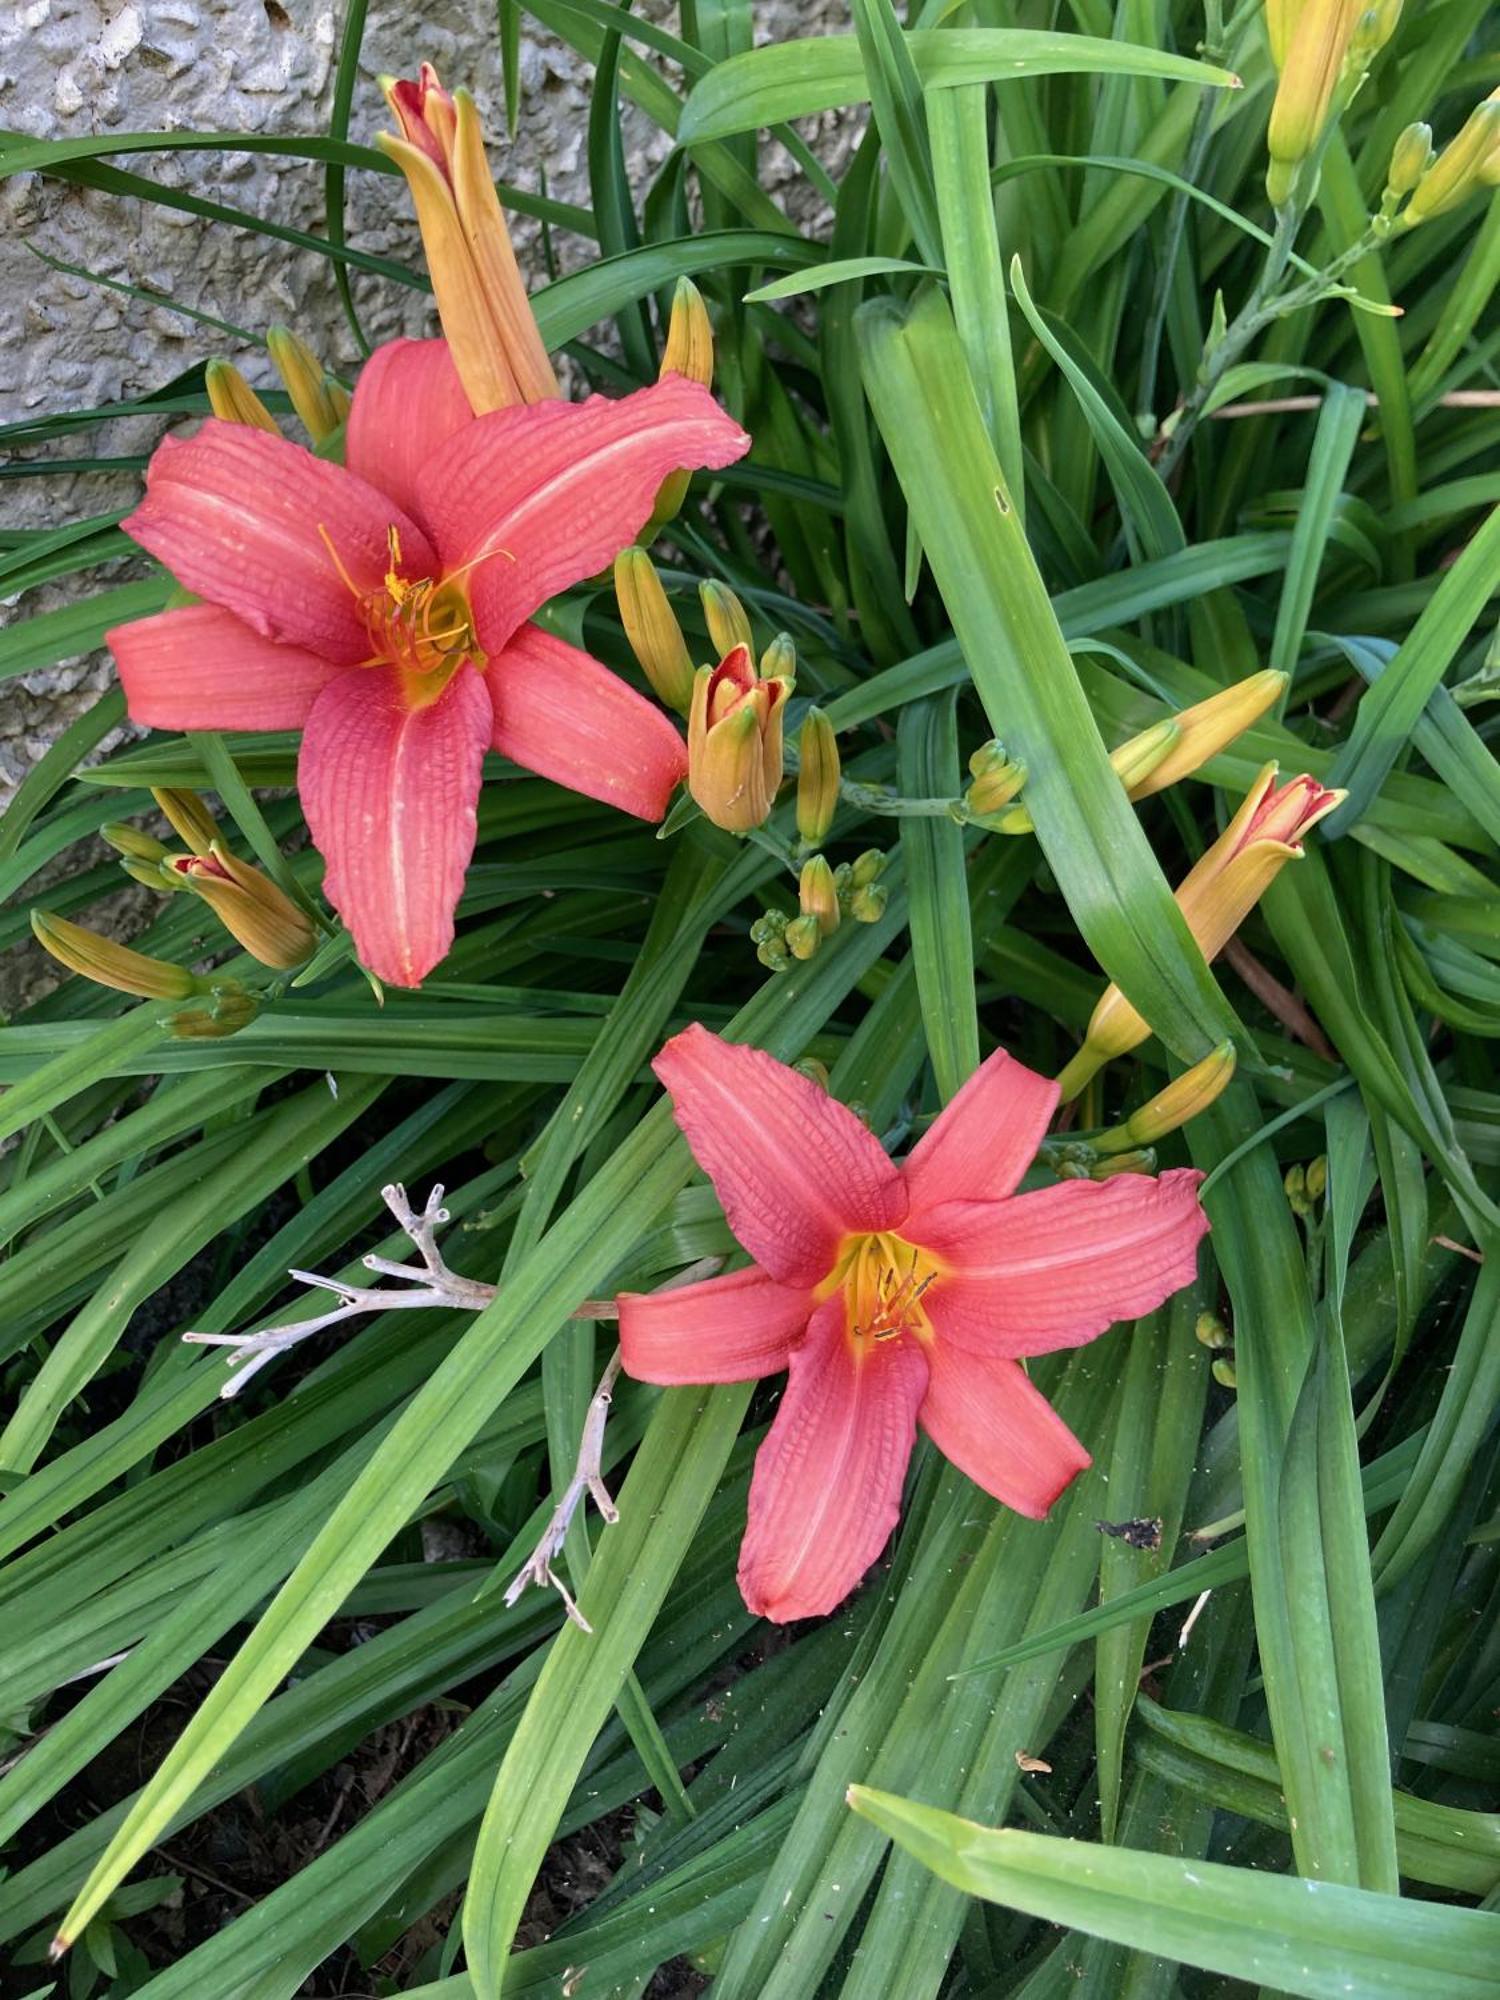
pixel 728 622
pixel 1210 1331
pixel 815 1071
pixel 1317 1178
pixel 735 752
pixel 817 778
pixel 867 905
pixel 1141 1161
pixel 1411 156
pixel 690 336
pixel 779 661
pixel 773 955
pixel 1294 1181
pixel 1184 1097
pixel 311 390
pixel 803 936
pixel 652 629
pixel 1463 166
pixel 130 841
pixel 996 779
pixel 189 817
pixel 817 895
pixel 231 397
pixel 267 923
pixel 152 874
pixel 1311 70
pixel 1207 728
pixel 866 867
pixel 109 964
pixel 1136 759
pixel 1223 1373
pixel 233 1008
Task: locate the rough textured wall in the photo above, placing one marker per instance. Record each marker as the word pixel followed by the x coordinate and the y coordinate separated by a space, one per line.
pixel 73 68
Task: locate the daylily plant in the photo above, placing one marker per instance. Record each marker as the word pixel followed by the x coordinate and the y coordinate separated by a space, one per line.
pixel 382 608
pixel 894 1296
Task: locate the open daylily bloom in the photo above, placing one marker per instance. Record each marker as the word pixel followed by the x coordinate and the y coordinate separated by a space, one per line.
pixel 383 610
pixel 893 1296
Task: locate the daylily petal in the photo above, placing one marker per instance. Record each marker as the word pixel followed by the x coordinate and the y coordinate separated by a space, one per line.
pixel 826 1490
pixel 985 1416
pixel 202 668
pixel 794 1168
pixel 236 515
pixel 982 1143
pixel 538 497
pixel 389 791
pixel 407 401
pixel 730 1329
pixel 1056 1267
pixel 565 716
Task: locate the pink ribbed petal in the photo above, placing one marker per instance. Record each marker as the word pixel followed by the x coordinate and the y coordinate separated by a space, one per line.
pixel 980 1145
pixel 986 1417
pixel 730 1329
pixel 236 515
pixel 408 400
pixel 203 668
pixel 389 792
pixel 1056 1267
pixel 794 1168
pixel 826 1490
pixel 538 497
pixel 563 715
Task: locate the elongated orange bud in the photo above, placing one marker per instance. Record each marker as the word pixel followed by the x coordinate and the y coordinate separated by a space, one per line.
pixel 109 964
pixel 1311 69
pixel 231 398
pixel 319 401
pixel 267 923
pixel 653 631
pixel 817 778
pixel 1184 1097
pixel 189 817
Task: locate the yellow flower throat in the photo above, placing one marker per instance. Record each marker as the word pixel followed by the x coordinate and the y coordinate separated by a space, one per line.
pixel 884 1280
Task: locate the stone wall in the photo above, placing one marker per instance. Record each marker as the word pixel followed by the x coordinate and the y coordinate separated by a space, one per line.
pixel 72 68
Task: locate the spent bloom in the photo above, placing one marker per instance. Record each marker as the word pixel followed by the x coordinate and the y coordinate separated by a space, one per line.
pixel 894 1296
pixel 383 608
pixel 1215 897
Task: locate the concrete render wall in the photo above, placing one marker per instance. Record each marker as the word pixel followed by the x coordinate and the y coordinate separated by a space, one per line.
pixel 75 68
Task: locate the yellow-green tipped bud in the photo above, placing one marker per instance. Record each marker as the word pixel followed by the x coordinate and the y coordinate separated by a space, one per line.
pixel 1202 732
pixel 818 896
pixel 996 779
pixel 233 1008
pixel 735 751
pixel 1294 1181
pixel 866 868
pixel 131 842
pixel 779 661
pixel 189 817
pixel 1210 1331
pixel 152 874
pixel 1374 28
pixel 1223 1373
pixel 1316 1181
pixel 231 397
pixel 803 936
pixel 311 390
pixel 1411 156
pixel 867 904
pixel 1183 1098
pixel 817 778
pixel 1136 759
pixel 1465 165
pixel 1140 1160
pixel 1311 69
pixel 815 1071
pixel 690 336
pixel 109 964
pixel 652 629
pixel 267 923
pixel 728 621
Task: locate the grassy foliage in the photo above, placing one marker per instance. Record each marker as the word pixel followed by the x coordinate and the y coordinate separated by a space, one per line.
pixel 1058 428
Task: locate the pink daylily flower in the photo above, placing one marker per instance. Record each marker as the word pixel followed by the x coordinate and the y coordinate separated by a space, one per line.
pixel 893 1297
pixel 382 608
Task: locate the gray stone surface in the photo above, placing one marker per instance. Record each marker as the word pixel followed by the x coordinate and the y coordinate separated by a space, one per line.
pixel 74 68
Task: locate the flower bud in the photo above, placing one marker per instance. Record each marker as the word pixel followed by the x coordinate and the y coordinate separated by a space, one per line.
pixel 1411 156
pixel 652 629
pixel 319 401
pixel 817 895
pixel 109 964
pixel 1184 1097
pixel 867 904
pixel 1317 1177
pixel 779 660
pixel 189 818
pixel 130 841
pixel 996 779
pixel 1207 728
pixel 866 867
pixel 1223 1373
pixel 1215 897
pixel 152 874
pixel 1140 1160
pixel 734 741
pixel 491 330
pixel 267 923
pixel 689 352
pixel 1210 1331
pixel 1137 760
pixel 728 622
pixel 1294 1181
pixel 803 936
pixel 1311 69
pixel 231 397
pixel 817 778
pixel 1462 168
pixel 233 1008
